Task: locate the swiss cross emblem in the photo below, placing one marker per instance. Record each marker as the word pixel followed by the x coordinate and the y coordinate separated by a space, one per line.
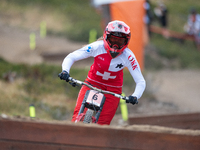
pixel 105 75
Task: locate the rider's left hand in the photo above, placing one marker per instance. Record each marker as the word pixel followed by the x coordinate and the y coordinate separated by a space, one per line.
pixel 132 99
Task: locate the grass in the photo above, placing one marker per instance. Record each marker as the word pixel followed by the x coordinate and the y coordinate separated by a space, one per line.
pixel 38 85
pixel 184 53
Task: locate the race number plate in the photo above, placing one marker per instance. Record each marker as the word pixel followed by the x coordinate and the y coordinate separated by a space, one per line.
pixel 95 98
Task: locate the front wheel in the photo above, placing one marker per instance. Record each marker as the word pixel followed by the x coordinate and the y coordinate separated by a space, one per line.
pixel 88 116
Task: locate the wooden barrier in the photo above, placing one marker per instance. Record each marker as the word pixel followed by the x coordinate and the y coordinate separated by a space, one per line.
pixel 33 135
pixel 181 121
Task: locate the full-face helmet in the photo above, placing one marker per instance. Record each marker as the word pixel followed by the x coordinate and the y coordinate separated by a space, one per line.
pixel 116 37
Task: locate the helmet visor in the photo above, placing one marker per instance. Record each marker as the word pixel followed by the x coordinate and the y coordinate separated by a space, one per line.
pixel 116 42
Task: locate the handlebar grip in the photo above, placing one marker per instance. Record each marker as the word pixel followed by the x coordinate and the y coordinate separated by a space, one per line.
pixel 126 98
pixel 70 78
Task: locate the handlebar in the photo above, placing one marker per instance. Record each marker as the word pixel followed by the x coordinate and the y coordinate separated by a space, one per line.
pixel 97 89
pixel 74 82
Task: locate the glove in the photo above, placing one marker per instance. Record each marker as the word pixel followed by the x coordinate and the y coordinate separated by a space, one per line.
pixel 64 76
pixel 132 99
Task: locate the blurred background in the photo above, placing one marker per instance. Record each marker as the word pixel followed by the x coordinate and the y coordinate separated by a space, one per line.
pixel 36 35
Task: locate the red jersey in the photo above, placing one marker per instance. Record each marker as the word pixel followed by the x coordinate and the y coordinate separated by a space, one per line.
pixel 107 70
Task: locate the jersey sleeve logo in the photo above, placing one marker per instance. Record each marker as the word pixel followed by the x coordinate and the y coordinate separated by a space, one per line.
pixel 89 49
pixel 132 60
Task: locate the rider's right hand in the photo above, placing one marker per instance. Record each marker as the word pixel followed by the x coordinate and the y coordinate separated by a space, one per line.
pixel 64 75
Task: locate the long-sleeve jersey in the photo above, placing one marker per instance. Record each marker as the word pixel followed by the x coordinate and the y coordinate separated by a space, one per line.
pixel 107 70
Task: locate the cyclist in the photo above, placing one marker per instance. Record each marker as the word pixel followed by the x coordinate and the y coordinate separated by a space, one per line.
pixel 111 56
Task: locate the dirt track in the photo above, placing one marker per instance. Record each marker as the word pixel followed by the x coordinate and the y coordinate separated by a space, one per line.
pixel 14 45
pixel 180 87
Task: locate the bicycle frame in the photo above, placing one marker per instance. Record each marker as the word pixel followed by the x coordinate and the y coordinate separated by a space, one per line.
pixel 94 102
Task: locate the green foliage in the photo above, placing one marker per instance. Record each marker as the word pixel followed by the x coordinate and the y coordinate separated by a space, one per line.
pixel 8 67
pixel 184 52
pixel 80 16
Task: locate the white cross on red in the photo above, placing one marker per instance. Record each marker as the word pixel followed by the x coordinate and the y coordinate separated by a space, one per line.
pixel 105 75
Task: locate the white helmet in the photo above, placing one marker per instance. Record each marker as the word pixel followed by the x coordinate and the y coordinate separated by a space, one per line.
pixel 116 37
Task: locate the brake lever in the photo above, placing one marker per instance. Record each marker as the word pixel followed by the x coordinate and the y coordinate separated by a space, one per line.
pixel 73 84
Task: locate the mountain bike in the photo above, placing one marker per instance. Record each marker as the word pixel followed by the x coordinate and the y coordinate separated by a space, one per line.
pixel 93 101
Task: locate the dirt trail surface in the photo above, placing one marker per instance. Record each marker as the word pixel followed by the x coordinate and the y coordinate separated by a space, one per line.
pixel 175 91
pixel 14 45
pixel 180 87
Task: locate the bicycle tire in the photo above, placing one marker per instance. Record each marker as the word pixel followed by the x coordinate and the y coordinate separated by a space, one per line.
pixel 88 116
